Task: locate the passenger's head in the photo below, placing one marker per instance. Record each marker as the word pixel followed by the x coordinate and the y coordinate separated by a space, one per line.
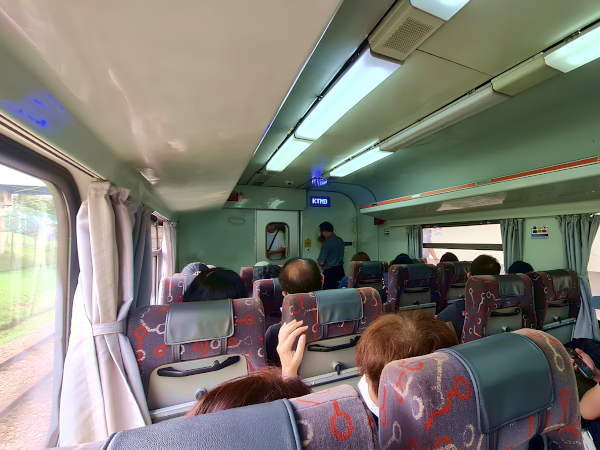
pixel 259 387
pixel 215 284
pixel 300 275
pixel 402 258
pixel 361 256
pixel 265 272
pixel 449 257
pixel 399 336
pixel 485 265
pixel 326 229
pixel 520 267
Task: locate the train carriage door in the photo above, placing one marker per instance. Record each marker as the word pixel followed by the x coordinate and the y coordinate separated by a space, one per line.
pixel 277 235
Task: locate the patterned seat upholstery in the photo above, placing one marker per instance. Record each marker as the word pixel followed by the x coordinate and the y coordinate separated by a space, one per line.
pixel 367 274
pixel 497 303
pixel 452 278
pixel 413 287
pixel 269 292
pixel 557 299
pixel 146 332
pixel 335 419
pixel 437 402
pixel 172 288
pixel 331 345
pixel 247 275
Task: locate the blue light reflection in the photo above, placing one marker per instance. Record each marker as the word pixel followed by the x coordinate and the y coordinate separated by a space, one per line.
pixel 39 109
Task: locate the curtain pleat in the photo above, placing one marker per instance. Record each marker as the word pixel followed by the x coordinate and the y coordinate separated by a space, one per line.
pixel 415 241
pixel 512 240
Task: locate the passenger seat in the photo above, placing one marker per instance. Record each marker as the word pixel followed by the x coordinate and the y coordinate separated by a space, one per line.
pixel 557 300
pixel 269 293
pixel 172 288
pixel 499 392
pixel 413 287
pixel 367 274
pixel 452 278
pixel 497 304
pixel 247 276
pixel 335 318
pixel 183 349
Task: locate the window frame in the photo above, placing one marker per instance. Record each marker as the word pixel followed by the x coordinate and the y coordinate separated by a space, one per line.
pixel 68 201
pixel 459 246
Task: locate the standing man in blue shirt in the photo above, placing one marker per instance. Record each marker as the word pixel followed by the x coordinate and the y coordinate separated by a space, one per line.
pixel 331 257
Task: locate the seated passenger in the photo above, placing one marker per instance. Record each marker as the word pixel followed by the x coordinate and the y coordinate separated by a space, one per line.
pixel 449 257
pixel 589 405
pixel 215 284
pixel 360 256
pixel 297 276
pixel 402 258
pixel 393 337
pixel 264 386
pixel 520 267
pixel 455 312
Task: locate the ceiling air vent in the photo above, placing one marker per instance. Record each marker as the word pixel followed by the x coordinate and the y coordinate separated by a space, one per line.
pixel 402 30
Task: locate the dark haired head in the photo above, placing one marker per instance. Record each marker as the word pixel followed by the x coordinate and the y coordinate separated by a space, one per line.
pixel 449 257
pixel 361 256
pixel 326 226
pixel 264 386
pixel 520 267
pixel 300 275
pixel 266 272
pixel 485 265
pixel 402 258
pixel 215 284
pixel 194 268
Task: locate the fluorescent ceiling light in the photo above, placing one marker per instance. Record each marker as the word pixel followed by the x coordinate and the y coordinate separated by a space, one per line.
pixel 149 174
pixel 289 150
pixel 444 9
pixel 364 75
pixel 359 162
pixel 461 109
pixel 582 50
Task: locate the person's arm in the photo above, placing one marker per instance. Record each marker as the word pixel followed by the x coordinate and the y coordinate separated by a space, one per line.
pixel 322 255
pixel 589 405
pixel 291 358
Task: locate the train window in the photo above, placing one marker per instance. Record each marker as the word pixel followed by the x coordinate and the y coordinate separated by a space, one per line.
pixel 465 241
pixel 157 239
pixel 28 299
pixel 276 244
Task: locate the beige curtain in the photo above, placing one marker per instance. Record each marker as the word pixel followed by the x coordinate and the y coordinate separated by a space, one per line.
pixel 102 392
pixel 168 249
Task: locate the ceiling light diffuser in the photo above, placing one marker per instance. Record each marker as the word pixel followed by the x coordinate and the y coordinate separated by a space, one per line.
pixel 362 160
pixel 582 50
pixel 289 150
pixel 364 75
pixel 444 9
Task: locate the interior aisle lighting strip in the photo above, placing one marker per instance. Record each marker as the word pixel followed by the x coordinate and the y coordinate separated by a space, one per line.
pixel 358 162
pixel 358 80
pixel 444 9
pixel 577 52
pixel 289 150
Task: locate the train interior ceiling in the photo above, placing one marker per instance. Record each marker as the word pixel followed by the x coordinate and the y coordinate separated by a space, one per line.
pixel 211 124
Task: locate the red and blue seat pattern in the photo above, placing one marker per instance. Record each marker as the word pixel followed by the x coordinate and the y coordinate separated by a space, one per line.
pixel 269 293
pixel 412 286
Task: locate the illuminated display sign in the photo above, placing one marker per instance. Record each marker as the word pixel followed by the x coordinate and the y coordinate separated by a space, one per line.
pixel 320 201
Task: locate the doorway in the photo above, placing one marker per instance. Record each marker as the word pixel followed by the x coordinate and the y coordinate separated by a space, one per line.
pixel 277 235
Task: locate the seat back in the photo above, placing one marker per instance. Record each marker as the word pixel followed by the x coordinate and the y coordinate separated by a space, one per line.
pixel 186 347
pixel 247 276
pixel 557 299
pixel 413 287
pixel 335 419
pixel 367 274
pixel 335 318
pixel 171 289
pixel 269 293
pixel 497 304
pixel 463 397
pixel 452 278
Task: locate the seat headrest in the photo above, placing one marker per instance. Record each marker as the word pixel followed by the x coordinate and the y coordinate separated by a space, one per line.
pixel 419 271
pixel 266 425
pixel 199 321
pixel 510 391
pixel 511 286
pixel 371 269
pixel 561 279
pixel 338 305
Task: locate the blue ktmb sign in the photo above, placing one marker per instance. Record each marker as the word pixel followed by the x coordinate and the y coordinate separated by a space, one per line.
pixel 320 201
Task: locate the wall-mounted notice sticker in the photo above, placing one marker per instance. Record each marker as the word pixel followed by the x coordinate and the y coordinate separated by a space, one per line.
pixel 307 243
pixel 539 232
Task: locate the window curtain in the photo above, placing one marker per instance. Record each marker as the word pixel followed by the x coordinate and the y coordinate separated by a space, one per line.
pixel 102 391
pixel 168 250
pixel 142 253
pixel 415 241
pixel 579 231
pixel 512 240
